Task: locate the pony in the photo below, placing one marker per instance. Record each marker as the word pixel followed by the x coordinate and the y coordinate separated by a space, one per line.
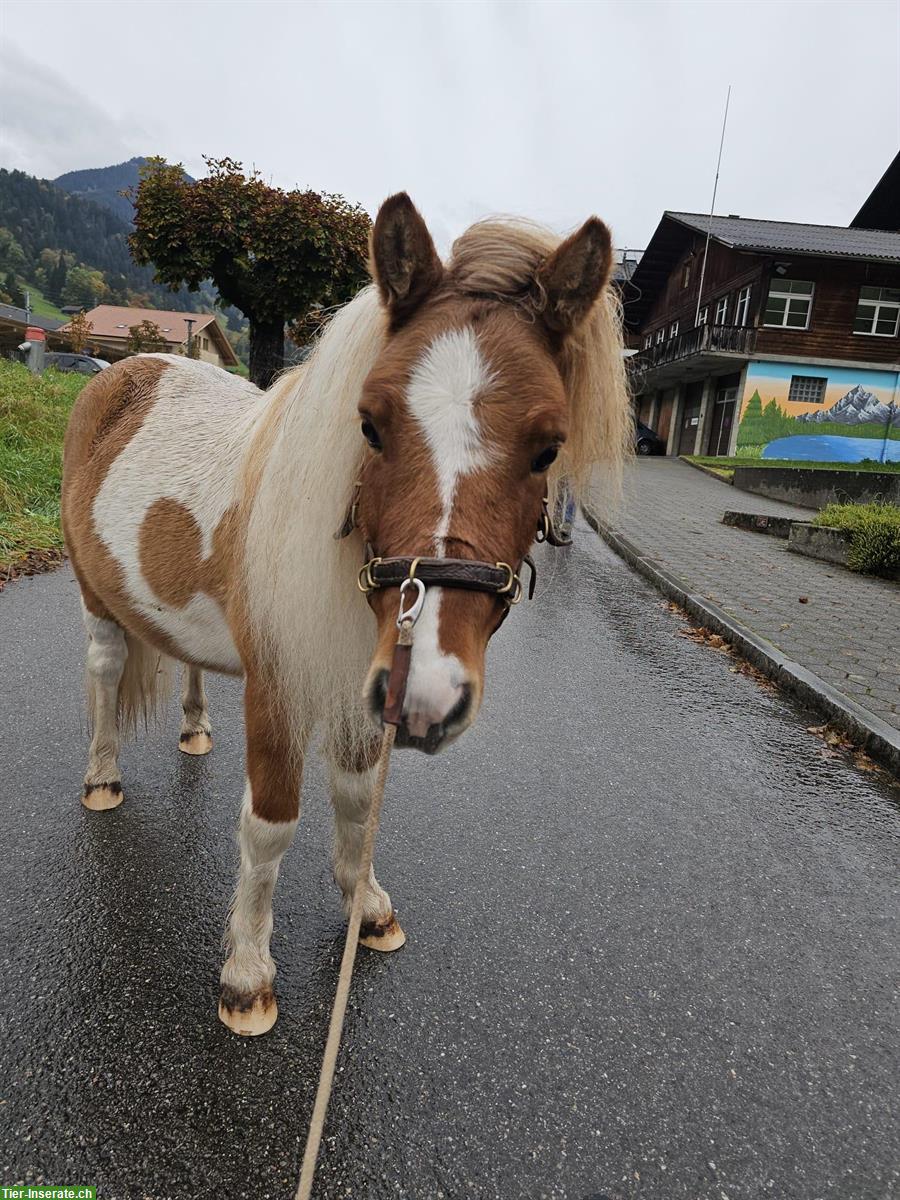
pixel 442 405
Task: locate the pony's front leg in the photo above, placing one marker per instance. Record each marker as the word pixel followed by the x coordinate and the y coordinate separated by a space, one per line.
pixel 351 776
pixel 269 817
pixel 196 731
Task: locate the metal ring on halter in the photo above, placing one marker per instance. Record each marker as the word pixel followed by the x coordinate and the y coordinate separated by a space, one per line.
pixel 412 569
pixel 411 614
pixel 365 573
pixel 512 589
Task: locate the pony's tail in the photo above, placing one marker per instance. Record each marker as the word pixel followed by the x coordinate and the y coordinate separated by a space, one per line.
pixel 144 688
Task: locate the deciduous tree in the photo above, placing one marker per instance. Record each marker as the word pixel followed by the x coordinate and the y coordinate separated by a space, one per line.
pixel 146 338
pixel 77 333
pixel 273 254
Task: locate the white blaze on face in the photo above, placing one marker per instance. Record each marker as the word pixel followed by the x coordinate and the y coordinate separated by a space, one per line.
pixel 444 385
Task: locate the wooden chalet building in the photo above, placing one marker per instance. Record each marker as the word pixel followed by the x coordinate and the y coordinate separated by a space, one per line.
pixel 805 316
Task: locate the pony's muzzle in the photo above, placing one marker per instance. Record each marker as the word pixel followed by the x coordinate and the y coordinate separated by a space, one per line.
pixel 429 720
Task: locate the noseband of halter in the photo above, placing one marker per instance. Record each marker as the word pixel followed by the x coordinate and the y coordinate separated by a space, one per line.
pixel 470 574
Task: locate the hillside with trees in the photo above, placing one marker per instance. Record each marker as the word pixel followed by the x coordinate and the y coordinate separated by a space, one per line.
pixel 74 250
pixel 104 186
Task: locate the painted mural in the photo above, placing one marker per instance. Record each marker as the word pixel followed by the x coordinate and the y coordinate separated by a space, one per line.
pixel 858 417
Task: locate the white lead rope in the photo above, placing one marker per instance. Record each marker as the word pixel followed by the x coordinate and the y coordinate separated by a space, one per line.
pixel 405 622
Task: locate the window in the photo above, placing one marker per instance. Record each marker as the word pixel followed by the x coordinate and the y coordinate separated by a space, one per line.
pixel 660 335
pixel 673 329
pixel 703 315
pixel 878 312
pixel 648 341
pixel 205 342
pixel 807 389
pixel 686 275
pixel 722 310
pixel 789 303
pixel 743 306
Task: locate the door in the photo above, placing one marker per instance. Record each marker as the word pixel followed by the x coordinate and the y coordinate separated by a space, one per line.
pixel 665 415
pixel 690 419
pixel 722 420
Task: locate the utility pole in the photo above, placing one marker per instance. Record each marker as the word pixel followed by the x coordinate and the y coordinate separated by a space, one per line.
pixel 712 209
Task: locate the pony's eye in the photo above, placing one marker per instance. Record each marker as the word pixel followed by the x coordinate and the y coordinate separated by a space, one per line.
pixel 370 433
pixel 544 460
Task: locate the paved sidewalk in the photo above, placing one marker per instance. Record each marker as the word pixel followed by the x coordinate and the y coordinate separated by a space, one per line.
pixel 843 627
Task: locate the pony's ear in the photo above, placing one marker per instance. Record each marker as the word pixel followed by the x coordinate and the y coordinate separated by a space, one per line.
pixel 405 264
pixel 574 275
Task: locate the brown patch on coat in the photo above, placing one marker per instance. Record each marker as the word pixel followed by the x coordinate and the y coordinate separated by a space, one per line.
pixel 274 768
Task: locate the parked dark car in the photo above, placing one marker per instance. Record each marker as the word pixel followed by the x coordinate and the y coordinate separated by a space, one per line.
pixel 647 441
pixel 82 363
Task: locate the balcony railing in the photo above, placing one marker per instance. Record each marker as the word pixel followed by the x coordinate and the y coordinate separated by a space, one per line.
pixel 702 339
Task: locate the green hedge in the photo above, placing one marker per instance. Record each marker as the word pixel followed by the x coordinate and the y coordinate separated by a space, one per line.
pixel 874 535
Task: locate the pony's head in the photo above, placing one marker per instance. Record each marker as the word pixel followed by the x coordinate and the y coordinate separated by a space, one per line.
pixel 501 373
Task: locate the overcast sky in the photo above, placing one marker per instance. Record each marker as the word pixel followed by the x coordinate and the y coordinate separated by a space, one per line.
pixel 553 110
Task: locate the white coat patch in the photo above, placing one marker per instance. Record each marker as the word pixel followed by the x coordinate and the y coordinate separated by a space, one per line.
pixel 189 449
pixel 443 388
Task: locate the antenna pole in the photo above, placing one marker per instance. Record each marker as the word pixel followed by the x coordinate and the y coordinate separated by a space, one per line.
pixel 712 209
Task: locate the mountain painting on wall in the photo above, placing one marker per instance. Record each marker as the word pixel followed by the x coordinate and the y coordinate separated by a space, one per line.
pixel 856 407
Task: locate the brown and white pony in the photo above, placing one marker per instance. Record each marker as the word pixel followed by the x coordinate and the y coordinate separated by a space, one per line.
pixel 200 516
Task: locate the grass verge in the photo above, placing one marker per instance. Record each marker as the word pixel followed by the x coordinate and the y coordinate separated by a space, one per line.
pixel 34 410
pixel 874 535
pixel 724 464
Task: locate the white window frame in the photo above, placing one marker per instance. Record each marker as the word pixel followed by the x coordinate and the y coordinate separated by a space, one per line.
pixel 660 335
pixel 721 311
pixel 673 330
pixel 742 309
pixel 878 305
pixel 703 315
pixel 648 341
pixel 789 298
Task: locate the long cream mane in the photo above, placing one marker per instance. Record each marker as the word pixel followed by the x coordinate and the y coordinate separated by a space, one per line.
pixel 304 606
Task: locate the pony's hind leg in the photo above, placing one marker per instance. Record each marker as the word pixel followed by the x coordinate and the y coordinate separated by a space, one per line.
pixel 269 818
pixel 106 655
pixel 351 776
pixel 196 731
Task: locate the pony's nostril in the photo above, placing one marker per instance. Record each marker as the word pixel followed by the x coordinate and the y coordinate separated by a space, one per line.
pixel 378 695
pixel 460 709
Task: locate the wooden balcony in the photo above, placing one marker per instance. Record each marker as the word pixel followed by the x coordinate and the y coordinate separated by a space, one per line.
pixel 704 344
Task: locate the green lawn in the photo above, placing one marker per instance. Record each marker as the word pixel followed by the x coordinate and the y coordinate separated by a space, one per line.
pixel 34 410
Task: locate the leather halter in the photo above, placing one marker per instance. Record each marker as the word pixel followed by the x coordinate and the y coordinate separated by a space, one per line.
pixel 474 575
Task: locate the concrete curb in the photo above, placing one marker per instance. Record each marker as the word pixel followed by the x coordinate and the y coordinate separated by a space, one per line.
pixel 706 470
pixel 866 729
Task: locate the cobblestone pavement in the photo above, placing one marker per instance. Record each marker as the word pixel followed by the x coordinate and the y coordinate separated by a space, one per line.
pixel 844 627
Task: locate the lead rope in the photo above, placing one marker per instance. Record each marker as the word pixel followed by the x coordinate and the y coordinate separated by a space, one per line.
pixel 392 714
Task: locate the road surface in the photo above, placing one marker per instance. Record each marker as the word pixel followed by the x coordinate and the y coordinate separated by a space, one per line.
pixel 650 935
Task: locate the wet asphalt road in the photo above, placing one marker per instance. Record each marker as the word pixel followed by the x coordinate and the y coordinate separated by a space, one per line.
pixel 652 939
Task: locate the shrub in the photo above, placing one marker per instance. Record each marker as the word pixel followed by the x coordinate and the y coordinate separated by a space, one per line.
pixel 874 535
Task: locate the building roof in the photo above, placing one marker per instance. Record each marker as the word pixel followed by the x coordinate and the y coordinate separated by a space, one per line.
pixel 112 322
pixel 677 231
pixel 789 237
pixel 10 312
pixel 882 208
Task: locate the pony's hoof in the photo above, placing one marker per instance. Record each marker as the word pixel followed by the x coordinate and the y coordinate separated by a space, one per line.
pixel 383 937
pixel 198 742
pixel 99 797
pixel 249 1016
